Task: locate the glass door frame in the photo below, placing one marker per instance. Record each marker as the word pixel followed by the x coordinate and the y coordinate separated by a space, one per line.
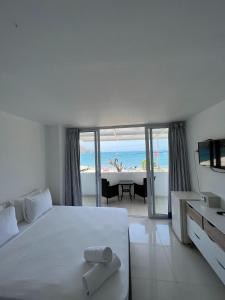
pixel 149 163
pixel 98 182
pixel 150 171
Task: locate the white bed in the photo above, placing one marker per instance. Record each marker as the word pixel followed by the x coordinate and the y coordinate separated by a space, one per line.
pixel 45 261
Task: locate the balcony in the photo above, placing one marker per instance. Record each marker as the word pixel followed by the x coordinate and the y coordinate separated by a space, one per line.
pixel 135 206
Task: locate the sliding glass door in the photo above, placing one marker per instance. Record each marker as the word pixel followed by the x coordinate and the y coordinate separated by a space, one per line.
pixel 89 168
pixel 157 152
pixel 136 159
pixel 123 169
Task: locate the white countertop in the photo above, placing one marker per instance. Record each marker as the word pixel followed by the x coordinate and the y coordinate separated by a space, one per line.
pixel 186 195
pixel 210 214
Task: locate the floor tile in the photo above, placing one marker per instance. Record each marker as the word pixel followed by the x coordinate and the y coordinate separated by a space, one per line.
pixel 150 262
pixel 135 207
pixel 190 266
pixel 165 290
pixel 143 289
pixel 162 268
pixel 166 235
pixel 141 233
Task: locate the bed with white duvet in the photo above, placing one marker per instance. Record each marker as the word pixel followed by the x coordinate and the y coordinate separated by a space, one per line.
pixel 45 260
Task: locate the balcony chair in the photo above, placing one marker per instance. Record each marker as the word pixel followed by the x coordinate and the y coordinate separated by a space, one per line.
pixel 109 191
pixel 141 189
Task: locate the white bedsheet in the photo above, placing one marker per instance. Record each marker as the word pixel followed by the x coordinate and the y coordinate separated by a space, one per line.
pixel 46 260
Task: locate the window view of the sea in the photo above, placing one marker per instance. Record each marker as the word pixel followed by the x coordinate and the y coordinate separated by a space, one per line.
pixel 129 159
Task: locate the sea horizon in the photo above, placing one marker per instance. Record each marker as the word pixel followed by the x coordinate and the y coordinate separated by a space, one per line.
pixel 129 159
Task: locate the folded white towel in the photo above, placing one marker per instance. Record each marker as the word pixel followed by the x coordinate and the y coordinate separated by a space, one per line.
pixel 96 276
pixel 98 254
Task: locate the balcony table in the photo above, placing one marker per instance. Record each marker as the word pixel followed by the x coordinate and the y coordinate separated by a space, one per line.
pixel 126 186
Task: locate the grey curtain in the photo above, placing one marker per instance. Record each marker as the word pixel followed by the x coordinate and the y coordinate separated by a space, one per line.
pixel 179 174
pixel 72 168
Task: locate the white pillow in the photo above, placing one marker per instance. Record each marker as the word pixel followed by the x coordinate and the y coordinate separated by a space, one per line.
pixel 2 206
pixel 8 224
pixel 36 205
pixel 18 204
pixel 5 204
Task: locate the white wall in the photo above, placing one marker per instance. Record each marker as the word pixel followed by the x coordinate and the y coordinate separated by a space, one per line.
pixel 55 158
pixel 22 156
pixel 205 125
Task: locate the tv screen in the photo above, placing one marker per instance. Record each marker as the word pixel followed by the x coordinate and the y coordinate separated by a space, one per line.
pixel 219 146
pixel 205 152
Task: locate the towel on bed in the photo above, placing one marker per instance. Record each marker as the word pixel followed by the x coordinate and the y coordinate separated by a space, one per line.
pixel 98 254
pixel 96 276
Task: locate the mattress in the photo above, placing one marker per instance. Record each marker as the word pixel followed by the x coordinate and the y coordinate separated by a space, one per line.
pixel 45 261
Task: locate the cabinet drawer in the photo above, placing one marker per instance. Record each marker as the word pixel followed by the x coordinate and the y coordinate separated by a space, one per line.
pixel 214 234
pixel 217 259
pixel 198 237
pixel 194 215
pixel 209 249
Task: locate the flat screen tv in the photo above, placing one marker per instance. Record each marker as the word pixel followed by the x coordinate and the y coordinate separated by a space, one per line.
pixel 219 150
pixel 205 153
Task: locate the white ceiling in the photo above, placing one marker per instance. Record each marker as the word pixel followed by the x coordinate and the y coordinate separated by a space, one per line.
pixel 123 134
pixel 95 63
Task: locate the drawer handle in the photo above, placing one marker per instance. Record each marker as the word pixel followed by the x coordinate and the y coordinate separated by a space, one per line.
pixel 197 236
pixel 211 224
pixel 191 217
pixel 210 238
pixel 220 264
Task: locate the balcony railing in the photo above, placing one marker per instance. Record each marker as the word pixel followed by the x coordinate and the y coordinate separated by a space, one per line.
pixel 88 180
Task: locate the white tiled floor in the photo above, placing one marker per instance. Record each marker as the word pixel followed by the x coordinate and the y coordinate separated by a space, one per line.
pixel 163 268
pixel 135 207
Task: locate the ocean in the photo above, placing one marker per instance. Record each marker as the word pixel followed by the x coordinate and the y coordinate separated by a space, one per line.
pixel 130 159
